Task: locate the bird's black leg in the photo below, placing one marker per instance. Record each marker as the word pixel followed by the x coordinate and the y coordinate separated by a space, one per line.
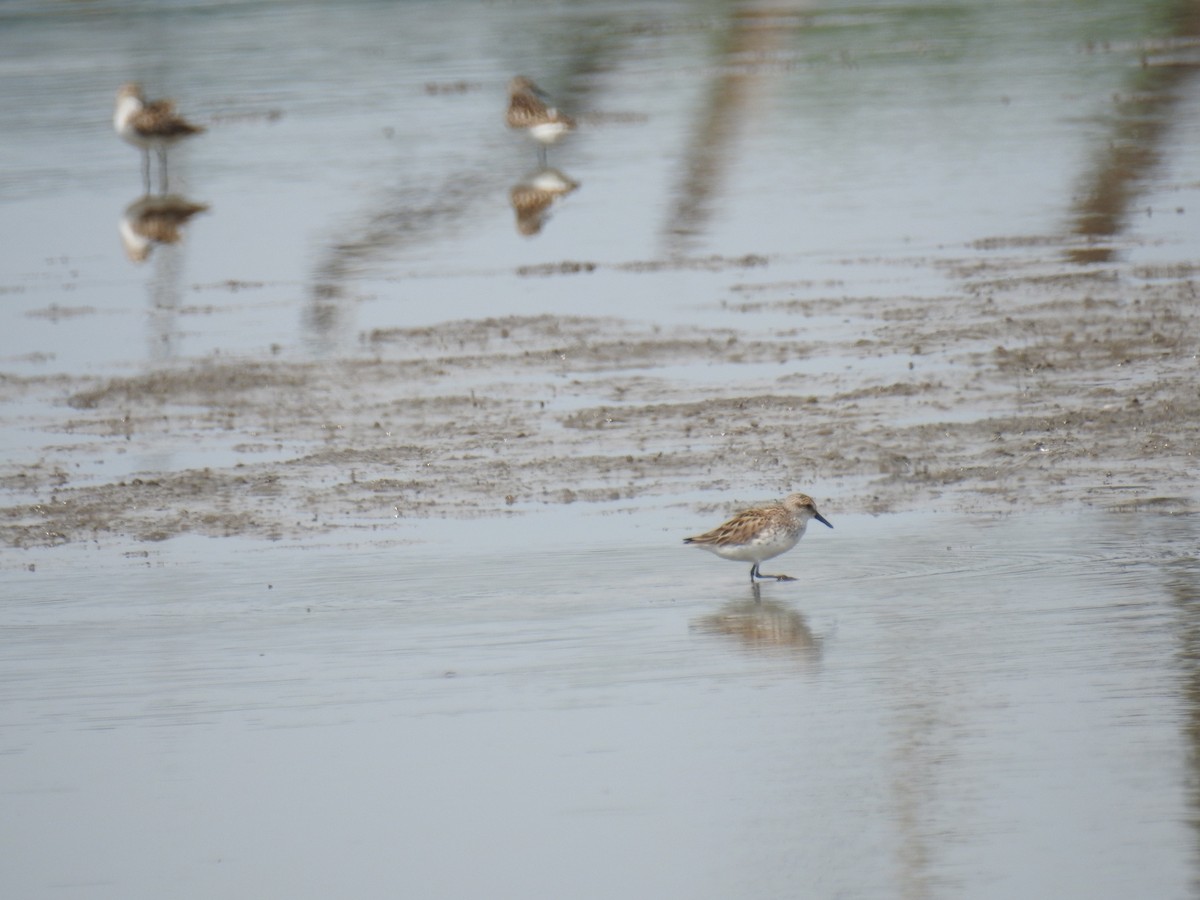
pixel 146 172
pixel 754 573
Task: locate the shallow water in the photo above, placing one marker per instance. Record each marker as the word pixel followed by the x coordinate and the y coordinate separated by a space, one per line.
pixel 984 707
pixel 549 695
pixel 336 165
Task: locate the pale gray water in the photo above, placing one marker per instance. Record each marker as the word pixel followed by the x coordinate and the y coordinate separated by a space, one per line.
pixel 897 133
pixel 567 702
pixel 989 707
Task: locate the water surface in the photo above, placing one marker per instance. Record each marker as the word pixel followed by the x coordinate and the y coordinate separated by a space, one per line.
pixel 449 643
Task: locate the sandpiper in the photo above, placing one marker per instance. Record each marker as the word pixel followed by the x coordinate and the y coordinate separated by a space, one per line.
pixel 146 125
pixel 762 533
pixel 527 109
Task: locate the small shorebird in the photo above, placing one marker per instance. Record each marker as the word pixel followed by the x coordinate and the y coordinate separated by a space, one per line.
pixel 527 109
pixel 533 195
pixel 147 125
pixel 762 533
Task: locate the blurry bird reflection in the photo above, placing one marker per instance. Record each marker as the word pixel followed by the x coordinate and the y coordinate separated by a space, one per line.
pixel 764 626
pixel 533 195
pixel 153 220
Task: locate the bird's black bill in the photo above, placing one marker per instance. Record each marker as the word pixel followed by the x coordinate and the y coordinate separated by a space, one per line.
pixel 820 518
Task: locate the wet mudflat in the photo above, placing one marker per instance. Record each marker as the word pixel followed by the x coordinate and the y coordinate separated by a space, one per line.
pixel 343 525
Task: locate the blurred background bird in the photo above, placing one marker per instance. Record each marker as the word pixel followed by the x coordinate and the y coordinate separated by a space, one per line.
pixel 528 109
pixel 150 124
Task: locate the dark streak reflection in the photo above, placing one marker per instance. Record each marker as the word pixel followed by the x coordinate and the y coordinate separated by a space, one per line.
pixel 1182 582
pixel 725 110
pixel 1142 119
pixel 402 216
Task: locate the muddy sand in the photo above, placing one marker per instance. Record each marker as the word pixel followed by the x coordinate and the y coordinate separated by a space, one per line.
pixel 1032 383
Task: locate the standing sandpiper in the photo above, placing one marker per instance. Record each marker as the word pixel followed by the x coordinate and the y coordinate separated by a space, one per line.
pixel 150 124
pixel 762 533
pixel 527 109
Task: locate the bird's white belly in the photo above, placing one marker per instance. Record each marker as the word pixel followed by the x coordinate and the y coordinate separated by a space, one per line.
pixel 548 132
pixel 128 133
pixel 756 550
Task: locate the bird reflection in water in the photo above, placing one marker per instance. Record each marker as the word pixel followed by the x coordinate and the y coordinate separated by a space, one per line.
pixel 533 195
pixel 147 223
pixel 765 626
pixel 153 220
